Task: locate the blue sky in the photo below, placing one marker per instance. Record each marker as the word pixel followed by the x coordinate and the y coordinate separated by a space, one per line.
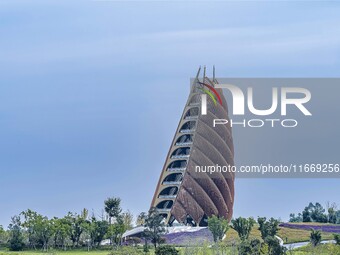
pixel 91 93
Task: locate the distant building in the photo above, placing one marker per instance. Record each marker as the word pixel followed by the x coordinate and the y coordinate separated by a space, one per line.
pixel 183 195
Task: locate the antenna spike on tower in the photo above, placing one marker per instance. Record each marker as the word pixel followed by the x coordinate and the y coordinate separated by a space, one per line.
pixel 198 72
pixel 204 71
pixel 213 73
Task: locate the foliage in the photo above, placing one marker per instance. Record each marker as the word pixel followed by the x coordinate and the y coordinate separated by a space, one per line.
pixel 243 227
pixel 317 213
pixel 154 227
pixel 337 215
pixel 3 236
pixel 112 207
pixel 315 237
pixel 60 232
pixel 332 212
pixel 127 219
pixel 115 231
pixel 77 225
pixel 123 250
pixel 337 239
pixel 218 227
pixel 293 218
pixel 166 250
pixel 274 247
pixel 326 249
pixel 97 230
pixel 117 221
pixel 252 247
pixel 15 242
pixel 141 219
pixel 314 213
pixel 268 228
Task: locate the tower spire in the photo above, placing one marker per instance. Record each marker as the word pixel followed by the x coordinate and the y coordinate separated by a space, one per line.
pixel 213 73
pixel 204 71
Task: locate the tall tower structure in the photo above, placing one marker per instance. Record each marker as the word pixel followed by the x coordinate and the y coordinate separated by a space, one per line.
pixel 183 194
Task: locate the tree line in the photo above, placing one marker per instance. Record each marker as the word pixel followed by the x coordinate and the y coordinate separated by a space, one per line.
pixel 317 213
pixel 32 230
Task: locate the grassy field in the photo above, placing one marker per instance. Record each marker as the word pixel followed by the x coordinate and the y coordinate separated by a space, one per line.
pixel 326 249
pixel 307 250
pixel 123 251
pixel 288 235
pixel 52 252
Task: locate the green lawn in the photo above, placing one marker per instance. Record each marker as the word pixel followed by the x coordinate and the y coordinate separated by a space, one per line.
pixel 289 235
pixel 308 250
pixel 123 251
pixel 71 252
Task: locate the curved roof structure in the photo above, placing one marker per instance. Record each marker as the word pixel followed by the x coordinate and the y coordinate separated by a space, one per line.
pixel 184 194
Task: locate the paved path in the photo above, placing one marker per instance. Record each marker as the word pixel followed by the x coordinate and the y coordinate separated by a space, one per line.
pixel 301 244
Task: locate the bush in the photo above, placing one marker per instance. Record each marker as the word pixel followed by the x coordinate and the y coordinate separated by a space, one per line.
pixel 16 239
pixel 252 247
pixel 315 237
pixel 337 238
pixel 166 250
pixel 274 246
pixel 218 227
pixel 127 251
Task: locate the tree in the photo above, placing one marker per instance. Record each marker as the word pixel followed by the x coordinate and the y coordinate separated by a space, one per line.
pixel 293 218
pixel 141 219
pixel 274 246
pixel 127 218
pixel 43 231
pixel 60 231
pixel 218 227
pixel 337 215
pixel 116 230
pixel 112 208
pixel 331 209
pixel 77 224
pixel 314 213
pixel 15 242
pixel 3 236
pixel 28 224
pixel 242 226
pixel 38 227
pixel 97 230
pixel 307 214
pixel 154 227
pixel 315 237
pixel 268 228
pixel 318 213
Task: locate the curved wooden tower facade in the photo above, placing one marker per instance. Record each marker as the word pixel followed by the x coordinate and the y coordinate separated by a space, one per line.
pixel 184 194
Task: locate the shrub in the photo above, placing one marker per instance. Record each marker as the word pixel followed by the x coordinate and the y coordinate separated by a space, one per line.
pixel 268 227
pixel 337 239
pixel 252 247
pixel 315 237
pixel 218 227
pixel 16 240
pixel 127 251
pixel 274 246
pixel 242 226
pixel 166 250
